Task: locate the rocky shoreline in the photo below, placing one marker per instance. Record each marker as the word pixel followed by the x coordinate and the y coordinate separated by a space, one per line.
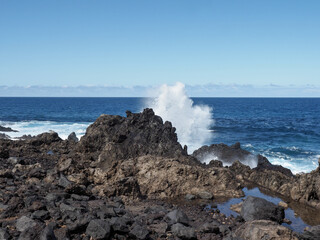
pixel 129 178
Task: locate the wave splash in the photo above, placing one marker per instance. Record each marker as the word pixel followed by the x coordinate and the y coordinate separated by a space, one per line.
pixel 192 122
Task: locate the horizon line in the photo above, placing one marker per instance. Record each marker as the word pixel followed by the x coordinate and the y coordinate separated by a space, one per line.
pixel 144 97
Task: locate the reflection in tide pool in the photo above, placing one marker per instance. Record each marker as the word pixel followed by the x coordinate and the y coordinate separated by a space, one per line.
pixel 297 224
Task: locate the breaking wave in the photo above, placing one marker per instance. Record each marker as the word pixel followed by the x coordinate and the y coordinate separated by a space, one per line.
pixel 192 122
pixel 34 128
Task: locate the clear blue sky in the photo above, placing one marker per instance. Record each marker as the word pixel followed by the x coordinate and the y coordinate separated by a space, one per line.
pixel 147 43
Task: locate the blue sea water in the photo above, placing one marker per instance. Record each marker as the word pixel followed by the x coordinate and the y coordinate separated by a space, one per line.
pixel 285 130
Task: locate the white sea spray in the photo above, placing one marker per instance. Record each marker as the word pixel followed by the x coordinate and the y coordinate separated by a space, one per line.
pixel 192 122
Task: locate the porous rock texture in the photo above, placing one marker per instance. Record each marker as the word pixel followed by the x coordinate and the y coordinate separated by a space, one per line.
pixel 111 138
pixel 61 186
pixel 264 229
pixel 304 188
pixel 254 208
pixel 139 156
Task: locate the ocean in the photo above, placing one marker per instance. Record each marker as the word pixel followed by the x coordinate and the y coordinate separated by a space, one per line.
pixel 285 130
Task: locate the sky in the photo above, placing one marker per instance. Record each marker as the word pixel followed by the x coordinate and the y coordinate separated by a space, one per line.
pixel 124 47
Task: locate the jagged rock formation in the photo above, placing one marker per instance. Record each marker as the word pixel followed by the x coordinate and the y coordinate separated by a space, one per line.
pixel 139 155
pixel 263 163
pixel 112 138
pixel 46 194
pixel 304 188
pixel 123 155
pixel 76 185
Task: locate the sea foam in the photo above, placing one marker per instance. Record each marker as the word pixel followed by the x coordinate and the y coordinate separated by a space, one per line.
pixel 192 122
pixel 34 128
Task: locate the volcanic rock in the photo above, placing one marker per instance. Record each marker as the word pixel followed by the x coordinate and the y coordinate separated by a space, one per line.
pixel 4 153
pixel 64 164
pixel 47 233
pixel 98 229
pixel 254 208
pixel 24 223
pixel 177 216
pixel 169 178
pixel 264 229
pixel 4 234
pixel 216 153
pixel 63 181
pixel 73 137
pixel 263 163
pixel 224 153
pixel 4 136
pixel 139 232
pixel 183 232
pixel 210 227
pixel 120 224
pixel 138 158
pixel 123 155
pixel 304 188
pixel 7 129
pixel 112 138
pixel 311 233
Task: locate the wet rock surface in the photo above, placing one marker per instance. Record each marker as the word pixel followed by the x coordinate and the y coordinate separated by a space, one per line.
pixel 254 208
pixel 6 129
pixel 222 152
pixel 129 178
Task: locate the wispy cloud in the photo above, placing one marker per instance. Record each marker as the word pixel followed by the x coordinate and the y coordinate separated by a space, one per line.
pixel 205 90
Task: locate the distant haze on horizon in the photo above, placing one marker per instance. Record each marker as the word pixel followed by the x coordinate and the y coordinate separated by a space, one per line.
pixel 209 90
pixel 127 48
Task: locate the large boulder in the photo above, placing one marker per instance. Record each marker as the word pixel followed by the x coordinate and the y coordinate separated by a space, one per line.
pixel 254 208
pixel 112 138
